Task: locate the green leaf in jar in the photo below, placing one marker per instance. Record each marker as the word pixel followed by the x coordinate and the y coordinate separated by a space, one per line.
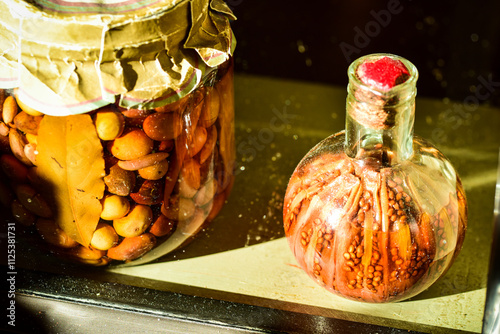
pixel 71 167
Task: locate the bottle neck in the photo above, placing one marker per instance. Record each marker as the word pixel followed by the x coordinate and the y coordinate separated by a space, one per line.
pixel 379 125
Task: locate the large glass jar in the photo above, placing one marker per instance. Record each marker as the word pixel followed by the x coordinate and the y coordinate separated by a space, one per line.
pixel 374 213
pixel 117 124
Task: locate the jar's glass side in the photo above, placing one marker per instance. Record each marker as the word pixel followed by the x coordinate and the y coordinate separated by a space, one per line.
pixel 373 233
pixel 167 172
pixel 203 164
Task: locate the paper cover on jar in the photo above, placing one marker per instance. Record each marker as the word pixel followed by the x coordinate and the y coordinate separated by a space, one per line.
pixel 71 57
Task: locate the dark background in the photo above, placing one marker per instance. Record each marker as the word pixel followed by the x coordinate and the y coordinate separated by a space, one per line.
pixel 454 44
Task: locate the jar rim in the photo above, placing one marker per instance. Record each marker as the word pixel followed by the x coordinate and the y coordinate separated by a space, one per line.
pixel 400 89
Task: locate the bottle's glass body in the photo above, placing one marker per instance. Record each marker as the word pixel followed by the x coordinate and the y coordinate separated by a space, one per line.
pixel 374 213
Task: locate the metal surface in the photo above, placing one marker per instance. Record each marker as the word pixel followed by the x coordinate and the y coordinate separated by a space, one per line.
pixel 51 315
pixel 67 304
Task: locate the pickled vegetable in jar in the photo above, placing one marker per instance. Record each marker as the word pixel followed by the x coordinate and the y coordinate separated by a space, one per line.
pixel 116 128
pixel 375 213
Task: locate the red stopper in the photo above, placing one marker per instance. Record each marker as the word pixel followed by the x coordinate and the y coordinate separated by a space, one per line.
pixel 383 74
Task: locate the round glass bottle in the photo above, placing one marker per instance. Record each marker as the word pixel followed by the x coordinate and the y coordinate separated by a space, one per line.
pixel 374 213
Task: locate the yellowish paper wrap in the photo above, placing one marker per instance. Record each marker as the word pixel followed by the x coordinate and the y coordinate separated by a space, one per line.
pixel 71 57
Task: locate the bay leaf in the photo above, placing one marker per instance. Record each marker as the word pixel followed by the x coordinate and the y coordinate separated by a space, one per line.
pixel 71 166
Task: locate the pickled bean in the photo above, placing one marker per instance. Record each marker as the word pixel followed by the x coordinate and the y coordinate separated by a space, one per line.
pixel 30 152
pixel 209 146
pixel 32 200
pixel 166 145
pixel 132 248
pixel 104 237
pixel 191 173
pixel 2 99
pixel 96 263
pixel 131 145
pixel 34 178
pixel 15 170
pixel 31 138
pixel 135 113
pixel 208 170
pixel 53 234
pixel 24 107
pixel 143 162
pixel 154 172
pixel 4 129
pixel 150 192
pixel 206 193
pixel 210 110
pixel 114 207
pixel 84 253
pixel 185 190
pixel 26 123
pixel 179 208
pixel 177 106
pixel 21 214
pixel 109 123
pixel 191 115
pixel 17 142
pixel 198 141
pixel 134 122
pixel 135 223
pixel 163 126
pixel 162 226
pixel 9 110
pixel 171 179
pixel 4 144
